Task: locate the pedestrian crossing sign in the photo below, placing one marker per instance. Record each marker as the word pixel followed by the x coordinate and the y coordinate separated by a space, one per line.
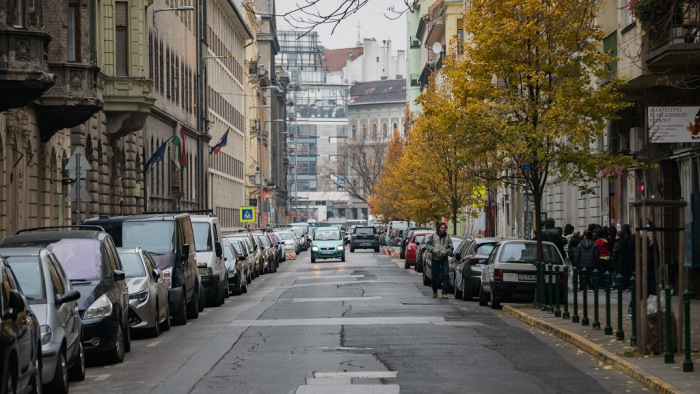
pixel 247 214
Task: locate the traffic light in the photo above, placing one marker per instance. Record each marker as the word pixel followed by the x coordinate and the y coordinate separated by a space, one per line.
pixel 641 188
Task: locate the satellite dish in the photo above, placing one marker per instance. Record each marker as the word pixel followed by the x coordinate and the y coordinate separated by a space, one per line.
pixel 437 48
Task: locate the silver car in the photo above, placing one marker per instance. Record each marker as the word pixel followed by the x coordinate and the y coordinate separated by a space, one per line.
pixel 53 300
pixel 148 292
pixel 236 269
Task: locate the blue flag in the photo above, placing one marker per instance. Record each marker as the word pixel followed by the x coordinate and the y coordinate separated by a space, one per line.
pixel 222 142
pixel 157 156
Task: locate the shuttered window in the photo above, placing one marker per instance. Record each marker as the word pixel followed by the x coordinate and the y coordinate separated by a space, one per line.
pixel 73 33
pixel 121 19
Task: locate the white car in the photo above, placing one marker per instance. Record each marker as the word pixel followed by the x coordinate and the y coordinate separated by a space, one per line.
pixel 510 272
pixel 288 238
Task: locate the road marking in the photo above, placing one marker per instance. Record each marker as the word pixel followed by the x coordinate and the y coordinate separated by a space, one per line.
pixel 358 374
pixel 305 277
pixel 357 321
pixel 100 378
pixel 333 299
pixel 154 343
pixel 341 382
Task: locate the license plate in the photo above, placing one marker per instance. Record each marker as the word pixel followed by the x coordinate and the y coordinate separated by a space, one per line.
pixel 366 244
pixel 327 252
pixel 528 277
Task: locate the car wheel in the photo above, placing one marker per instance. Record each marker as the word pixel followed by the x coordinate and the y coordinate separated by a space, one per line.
pixel 495 302
pixel 402 254
pixel 59 384
pixel 458 293
pixel 237 287
pixel 244 287
pixel 193 305
pixel 376 250
pixel 406 265
pixel 127 339
pixel 165 325
pixel 248 278
pixel 116 355
pixel 180 317
pixel 313 259
pixel 483 301
pixel 223 289
pixel 227 291
pixel 155 331
pixel 77 371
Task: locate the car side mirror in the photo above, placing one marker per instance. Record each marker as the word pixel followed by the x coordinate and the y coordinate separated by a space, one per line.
pixel 119 275
pixel 417 243
pixel 16 303
pixel 217 249
pixel 70 295
pixel 458 256
pixel 156 274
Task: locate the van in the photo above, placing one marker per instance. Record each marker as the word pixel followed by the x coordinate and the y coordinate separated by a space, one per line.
pixel 169 238
pixel 210 258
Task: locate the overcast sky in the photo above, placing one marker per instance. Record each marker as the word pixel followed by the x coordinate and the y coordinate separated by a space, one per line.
pixel 371 18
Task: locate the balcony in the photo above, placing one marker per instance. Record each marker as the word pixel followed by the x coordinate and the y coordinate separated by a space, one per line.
pixel 675 41
pixel 24 69
pixel 127 103
pixel 71 101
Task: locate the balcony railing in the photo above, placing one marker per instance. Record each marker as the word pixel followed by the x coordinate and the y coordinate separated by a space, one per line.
pixel 675 39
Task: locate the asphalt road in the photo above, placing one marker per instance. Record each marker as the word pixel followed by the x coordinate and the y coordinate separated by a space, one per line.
pixel 363 326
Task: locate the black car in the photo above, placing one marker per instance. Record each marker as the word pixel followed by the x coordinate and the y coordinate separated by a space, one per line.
pixel 91 263
pixel 20 343
pixel 364 237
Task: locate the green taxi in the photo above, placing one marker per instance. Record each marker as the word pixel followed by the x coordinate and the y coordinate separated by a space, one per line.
pixel 327 243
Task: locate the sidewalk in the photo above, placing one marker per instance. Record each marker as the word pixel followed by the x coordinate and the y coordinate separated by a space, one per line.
pixel 650 370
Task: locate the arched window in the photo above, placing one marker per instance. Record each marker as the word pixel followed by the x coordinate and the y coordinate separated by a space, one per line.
pixel 354 131
pixel 374 131
pixel 385 130
pixel 364 130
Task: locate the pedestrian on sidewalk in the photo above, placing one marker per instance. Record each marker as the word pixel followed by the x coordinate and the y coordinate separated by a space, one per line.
pixel 439 245
pixel 603 256
pixel 618 259
pixel 587 257
pixel 553 235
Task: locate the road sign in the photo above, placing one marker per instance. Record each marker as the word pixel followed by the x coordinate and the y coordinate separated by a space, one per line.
pixel 247 214
pixel 78 162
pixel 78 192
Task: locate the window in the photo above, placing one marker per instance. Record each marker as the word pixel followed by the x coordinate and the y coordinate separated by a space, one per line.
pixel 73 34
pixel 20 12
pixel 610 46
pixel 354 131
pixel 385 131
pixel 121 37
pixel 460 38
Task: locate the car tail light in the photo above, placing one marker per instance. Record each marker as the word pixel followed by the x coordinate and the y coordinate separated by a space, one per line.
pixel 497 274
pixel 398 240
pixel 473 261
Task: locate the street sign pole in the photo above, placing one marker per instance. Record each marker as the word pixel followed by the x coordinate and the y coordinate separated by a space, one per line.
pixel 77 199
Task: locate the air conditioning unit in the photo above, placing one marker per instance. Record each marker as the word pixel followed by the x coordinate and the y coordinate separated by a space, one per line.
pixel 636 139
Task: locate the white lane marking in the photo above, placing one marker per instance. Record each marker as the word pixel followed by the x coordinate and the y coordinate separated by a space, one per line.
pixel 100 378
pixel 335 321
pixel 349 389
pixel 305 277
pixel 329 381
pixel 154 343
pixel 333 299
pixel 358 374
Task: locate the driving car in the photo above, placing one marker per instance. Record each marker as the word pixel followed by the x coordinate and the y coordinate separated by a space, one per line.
pixel 364 237
pixel 510 272
pixel 428 263
pixel 53 300
pixel 148 292
pixel 90 261
pixel 327 244
pixel 236 267
pixel 469 263
pixel 20 342
pixel 412 247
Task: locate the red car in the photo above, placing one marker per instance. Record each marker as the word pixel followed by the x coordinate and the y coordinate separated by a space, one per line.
pixel 412 248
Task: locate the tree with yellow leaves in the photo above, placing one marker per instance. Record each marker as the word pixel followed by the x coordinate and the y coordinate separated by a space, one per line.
pixel 386 193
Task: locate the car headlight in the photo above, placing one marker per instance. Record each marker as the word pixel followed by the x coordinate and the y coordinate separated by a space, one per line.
pixel 102 307
pixel 142 296
pixel 314 248
pixel 46 334
pixel 340 247
pixel 232 271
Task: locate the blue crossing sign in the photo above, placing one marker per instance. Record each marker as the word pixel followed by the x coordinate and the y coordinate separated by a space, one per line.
pixel 247 214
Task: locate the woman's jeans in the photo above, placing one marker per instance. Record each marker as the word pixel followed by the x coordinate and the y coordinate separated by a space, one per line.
pixel 440 266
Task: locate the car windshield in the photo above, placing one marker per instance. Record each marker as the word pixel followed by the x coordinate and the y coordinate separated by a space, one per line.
pixel 202 237
pixel 228 253
pixel 528 253
pixel 27 269
pixel 80 258
pixel 263 240
pixel 286 235
pixel 154 236
pixel 238 247
pixel 484 249
pixel 418 238
pixel 132 264
pixel 327 235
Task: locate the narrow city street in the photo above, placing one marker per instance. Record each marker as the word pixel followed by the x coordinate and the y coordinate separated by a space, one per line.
pixel 366 325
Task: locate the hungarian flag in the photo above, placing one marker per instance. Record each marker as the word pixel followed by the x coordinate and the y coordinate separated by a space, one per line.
pixel 222 142
pixel 179 140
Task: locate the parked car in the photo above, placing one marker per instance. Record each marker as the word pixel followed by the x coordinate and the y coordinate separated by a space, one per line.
pixel 148 292
pixel 210 258
pixel 249 264
pixel 169 238
pixel 91 263
pixel 236 267
pixel 364 237
pixel 510 272
pixel 327 244
pixel 254 253
pixel 265 264
pixel 287 238
pixel 407 237
pixel 279 245
pixel 53 300
pixel 412 249
pixel 20 339
pixel 428 263
pixel 347 234
pixel 469 259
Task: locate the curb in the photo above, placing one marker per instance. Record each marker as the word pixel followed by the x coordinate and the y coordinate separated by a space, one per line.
pixel 617 362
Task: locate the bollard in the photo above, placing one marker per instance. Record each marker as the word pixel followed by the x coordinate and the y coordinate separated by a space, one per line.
pixel 565 296
pixel 557 310
pixel 550 298
pixel 584 275
pixel 543 288
pixel 538 296
pixel 596 323
pixel 633 306
pixel 688 363
pixel 619 334
pixel 608 327
pixel 668 356
pixel 574 281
